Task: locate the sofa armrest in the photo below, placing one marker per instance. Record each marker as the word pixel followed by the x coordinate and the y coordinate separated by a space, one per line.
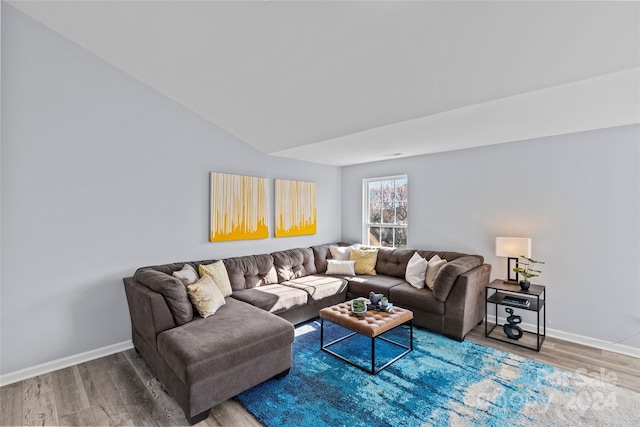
pixel 449 274
pixel 150 315
pixel 464 307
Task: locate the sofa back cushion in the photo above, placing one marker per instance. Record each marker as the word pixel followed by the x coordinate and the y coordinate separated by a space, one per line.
pixel 449 256
pixel 294 263
pixel 448 274
pixel 171 288
pixel 321 254
pixel 250 271
pixel 393 262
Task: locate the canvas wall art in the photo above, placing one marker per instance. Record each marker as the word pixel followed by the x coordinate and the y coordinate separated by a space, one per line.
pixel 238 207
pixel 295 208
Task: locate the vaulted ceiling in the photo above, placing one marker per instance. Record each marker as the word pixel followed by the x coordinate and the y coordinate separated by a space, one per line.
pixel 351 82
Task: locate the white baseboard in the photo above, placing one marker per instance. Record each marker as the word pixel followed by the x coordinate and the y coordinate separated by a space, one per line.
pixel 578 339
pixel 45 368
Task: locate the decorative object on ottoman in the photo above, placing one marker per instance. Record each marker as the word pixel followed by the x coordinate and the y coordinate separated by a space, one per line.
pixel 375 298
pixel 359 307
pixel 527 271
pixel 512 329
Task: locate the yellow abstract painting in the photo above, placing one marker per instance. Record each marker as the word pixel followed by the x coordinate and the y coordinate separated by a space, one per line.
pixel 295 208
pixel 238 207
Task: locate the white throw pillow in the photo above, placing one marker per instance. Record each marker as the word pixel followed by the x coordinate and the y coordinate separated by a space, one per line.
pixel 343 268
pixel 435 264
pixel 416 271
pixel 188 275
pixel 342 253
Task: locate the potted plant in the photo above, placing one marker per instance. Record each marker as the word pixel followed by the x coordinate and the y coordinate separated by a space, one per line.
pixel 359 307
pixel 525 268
pixel 384 303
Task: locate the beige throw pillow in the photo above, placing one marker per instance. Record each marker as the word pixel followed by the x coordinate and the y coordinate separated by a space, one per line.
pixel 218 273
pixel 416 271
pixel 205 296
pixel 343 268
pixel 435 264
pixel 188 275
pixel 365 260
pixel 342 253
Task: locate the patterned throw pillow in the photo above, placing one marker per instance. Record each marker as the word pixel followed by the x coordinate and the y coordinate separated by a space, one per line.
pixel 416 271
pixel 188 275
pixel 365 260
pixel 218 273
pixel 206 296
pixel 435 264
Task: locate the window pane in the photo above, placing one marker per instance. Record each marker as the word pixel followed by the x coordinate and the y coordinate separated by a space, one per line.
pixel 374 236
pixel 388 213
pixel 401 213
pixel 388 190
pixel 375 195
pixel 401 237
pixel 386 237
pixel 401 190
pixel 375 213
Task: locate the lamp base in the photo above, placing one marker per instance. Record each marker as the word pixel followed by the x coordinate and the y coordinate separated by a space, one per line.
pixel 510 282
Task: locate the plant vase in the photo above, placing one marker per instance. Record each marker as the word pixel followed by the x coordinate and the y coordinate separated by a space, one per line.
pixel 524 285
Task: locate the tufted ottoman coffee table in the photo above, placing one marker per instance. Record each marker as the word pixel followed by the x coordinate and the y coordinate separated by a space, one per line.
pixel 372 325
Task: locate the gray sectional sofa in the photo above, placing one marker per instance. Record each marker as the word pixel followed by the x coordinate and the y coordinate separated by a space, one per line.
pixel 205 361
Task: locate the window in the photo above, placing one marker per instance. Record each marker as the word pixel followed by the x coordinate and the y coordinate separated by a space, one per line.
pixel 385 211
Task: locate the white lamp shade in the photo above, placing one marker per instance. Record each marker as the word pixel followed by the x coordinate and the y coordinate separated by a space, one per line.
pixel 513 247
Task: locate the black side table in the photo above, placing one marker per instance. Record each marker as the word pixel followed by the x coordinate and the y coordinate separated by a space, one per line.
pixel 496 292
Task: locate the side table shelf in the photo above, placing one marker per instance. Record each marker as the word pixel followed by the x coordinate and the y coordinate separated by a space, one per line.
pixel 536 295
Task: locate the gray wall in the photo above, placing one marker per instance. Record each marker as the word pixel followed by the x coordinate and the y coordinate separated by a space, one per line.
pixel 101 175
pixel 577 196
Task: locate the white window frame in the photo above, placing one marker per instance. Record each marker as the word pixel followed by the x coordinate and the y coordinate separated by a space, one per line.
pixel 365 208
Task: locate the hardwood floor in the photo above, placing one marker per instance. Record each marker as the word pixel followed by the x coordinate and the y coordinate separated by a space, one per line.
pixel 119 390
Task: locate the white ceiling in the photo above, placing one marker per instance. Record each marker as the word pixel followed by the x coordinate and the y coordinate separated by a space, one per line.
pixel 352 82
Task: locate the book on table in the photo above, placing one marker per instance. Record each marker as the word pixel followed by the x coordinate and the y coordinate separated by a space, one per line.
pixel 522 302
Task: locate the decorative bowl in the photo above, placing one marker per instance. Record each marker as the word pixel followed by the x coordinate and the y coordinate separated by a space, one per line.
pixel 359 308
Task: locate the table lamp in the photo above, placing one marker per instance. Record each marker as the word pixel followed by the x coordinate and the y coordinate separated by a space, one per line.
pixel 513 248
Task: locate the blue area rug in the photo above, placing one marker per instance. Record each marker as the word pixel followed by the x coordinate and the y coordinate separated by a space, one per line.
pixel 440 383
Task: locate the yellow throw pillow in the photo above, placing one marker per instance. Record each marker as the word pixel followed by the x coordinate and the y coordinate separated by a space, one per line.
pixel 206 296
pixel 218 273
pixel 365 260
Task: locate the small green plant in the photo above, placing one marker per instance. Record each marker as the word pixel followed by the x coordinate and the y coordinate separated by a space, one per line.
pixel 525 268
pixel 358 306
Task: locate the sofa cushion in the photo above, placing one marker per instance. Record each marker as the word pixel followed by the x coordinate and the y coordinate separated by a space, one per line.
pixel 294 263
pixel 393 262
pixel 273 298
pixel 319 286
pixel 449 273
pixel 199 349
pixel 171 288
pixel 218 273
pixel 248 272
pixel 405 295
pixel 321 254
pixel 362 285
pixel 205 296
pixel 449 256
